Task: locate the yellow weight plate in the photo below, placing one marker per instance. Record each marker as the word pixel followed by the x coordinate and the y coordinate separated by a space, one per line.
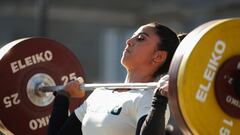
pixel 200 62
pixel 185 46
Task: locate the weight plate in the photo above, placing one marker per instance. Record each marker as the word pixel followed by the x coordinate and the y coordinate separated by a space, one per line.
pixel 21 63
pixel 192 77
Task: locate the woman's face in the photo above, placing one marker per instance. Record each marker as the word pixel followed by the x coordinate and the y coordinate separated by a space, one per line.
pixel 140 48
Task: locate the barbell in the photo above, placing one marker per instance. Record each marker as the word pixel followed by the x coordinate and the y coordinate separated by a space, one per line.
pixel 203 81
pixel 108 86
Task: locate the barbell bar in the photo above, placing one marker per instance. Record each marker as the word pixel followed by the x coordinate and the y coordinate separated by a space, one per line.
pixel 109 86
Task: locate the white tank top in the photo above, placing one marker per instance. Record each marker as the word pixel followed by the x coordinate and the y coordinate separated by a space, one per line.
pixel 106 112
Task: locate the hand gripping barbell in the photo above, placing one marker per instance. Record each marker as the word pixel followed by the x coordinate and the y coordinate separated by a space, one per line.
pixel 203 81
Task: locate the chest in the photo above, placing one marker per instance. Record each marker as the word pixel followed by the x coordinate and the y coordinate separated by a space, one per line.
pixel 109 102
pixel 110 113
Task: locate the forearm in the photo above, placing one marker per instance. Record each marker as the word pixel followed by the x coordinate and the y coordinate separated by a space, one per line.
pixel 154 123
pixel 72 126
pixel 60 123
pixel 59 114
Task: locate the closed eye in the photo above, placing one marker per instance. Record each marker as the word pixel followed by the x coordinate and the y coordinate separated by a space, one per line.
pixel 140 38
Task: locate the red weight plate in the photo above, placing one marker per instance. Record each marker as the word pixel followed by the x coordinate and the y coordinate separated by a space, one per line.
pixel 20 62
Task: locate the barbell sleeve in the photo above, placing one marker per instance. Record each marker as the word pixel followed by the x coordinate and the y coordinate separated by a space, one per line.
pixel 51 88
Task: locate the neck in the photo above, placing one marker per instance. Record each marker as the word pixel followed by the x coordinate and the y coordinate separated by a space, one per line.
pixel 139 76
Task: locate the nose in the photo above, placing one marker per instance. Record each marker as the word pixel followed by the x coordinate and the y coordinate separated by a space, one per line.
pixel 129 42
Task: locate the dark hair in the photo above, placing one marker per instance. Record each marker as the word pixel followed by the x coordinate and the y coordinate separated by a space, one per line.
pixel 168 42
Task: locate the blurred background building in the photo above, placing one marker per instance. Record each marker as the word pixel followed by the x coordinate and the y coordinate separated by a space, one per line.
pixel 96 30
